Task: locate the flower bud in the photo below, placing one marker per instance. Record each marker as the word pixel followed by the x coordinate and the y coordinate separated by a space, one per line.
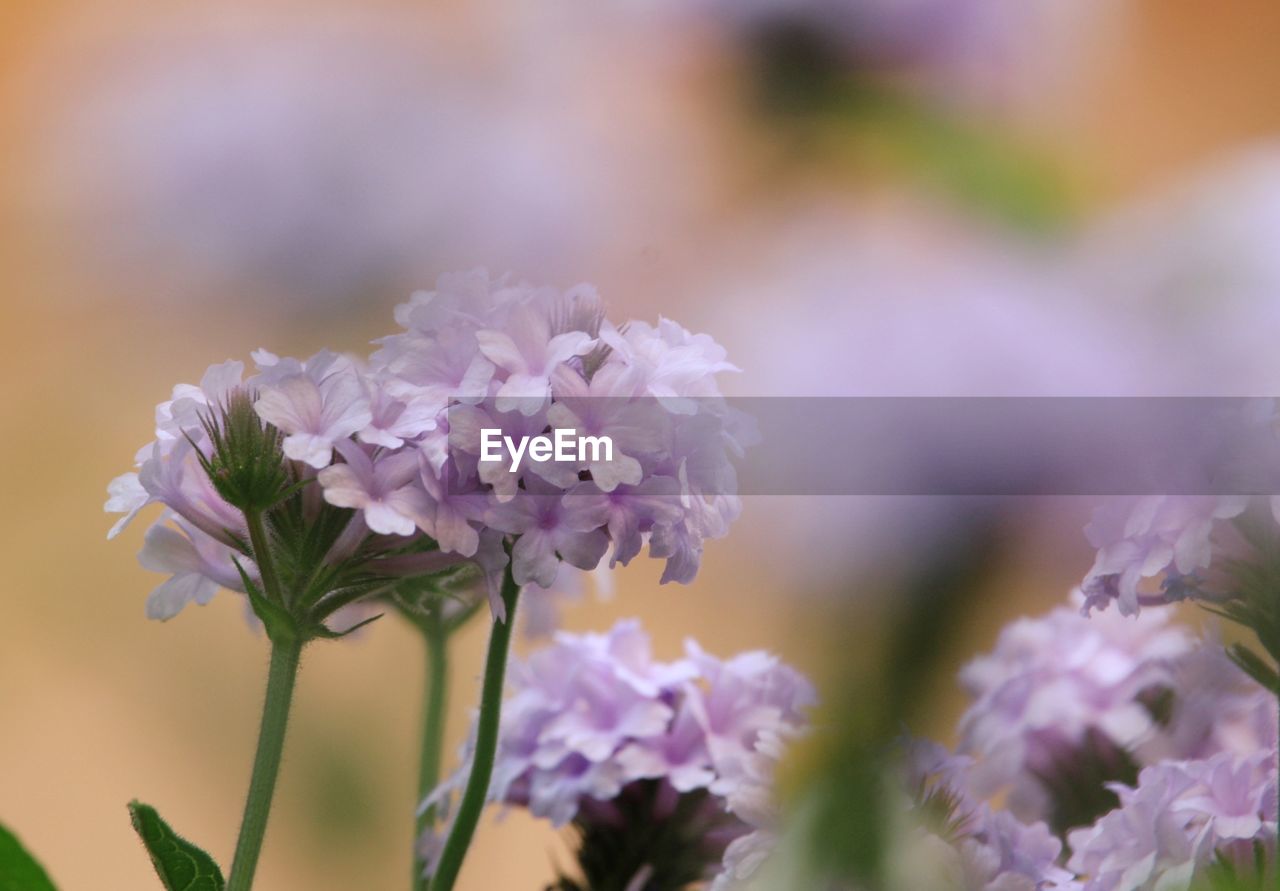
pixel 245 462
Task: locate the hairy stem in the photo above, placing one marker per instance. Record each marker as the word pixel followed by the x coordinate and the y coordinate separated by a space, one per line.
pixel 281 678
pixel 262 556
pixel 486 744
pixel 435 696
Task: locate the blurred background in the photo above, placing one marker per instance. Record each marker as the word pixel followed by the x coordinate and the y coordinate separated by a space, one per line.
pixel 857 197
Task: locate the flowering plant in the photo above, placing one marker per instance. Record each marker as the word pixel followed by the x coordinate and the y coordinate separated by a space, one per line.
pixel 323 487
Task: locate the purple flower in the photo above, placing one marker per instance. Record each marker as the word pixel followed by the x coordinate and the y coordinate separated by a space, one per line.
pixel 529 352
pixel 1052 680
pixel 551 526
pixel 198 567
pixel 396 421
pixel 1169 826
pixel 478 356
pixel 385 491
pixel 316 410
pixel 1141 538
pixel 590 715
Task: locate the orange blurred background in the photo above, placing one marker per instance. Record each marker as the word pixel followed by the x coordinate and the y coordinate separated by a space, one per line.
pixel 621 155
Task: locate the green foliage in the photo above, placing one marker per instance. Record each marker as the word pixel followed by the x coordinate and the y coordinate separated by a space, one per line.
pixel 1253 868
pixel 246 462
pixel 1255 666
pixel 843 809
pixel 817 99
pixel 181 865
pixel 19 871
pixel 1255 601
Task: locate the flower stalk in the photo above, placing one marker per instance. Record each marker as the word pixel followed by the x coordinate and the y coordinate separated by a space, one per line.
pixel 435 697
pixel 281 679
pixel 486 743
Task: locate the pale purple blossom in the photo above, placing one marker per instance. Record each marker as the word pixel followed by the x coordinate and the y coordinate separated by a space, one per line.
pixel 394 420
pixel 529 352
pixel 384 490
pixel 316 411
pixel 1052 680
pixel 1170 825
pixel 1140 538
pixel 399 439
pixel 198 566
pixel 591 714
pixel 551 526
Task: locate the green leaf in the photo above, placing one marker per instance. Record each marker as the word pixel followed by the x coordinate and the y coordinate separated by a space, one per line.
pixel 19 871
pixel 275 618
pixel 1255 666
pixel 181 865
pixel 322 630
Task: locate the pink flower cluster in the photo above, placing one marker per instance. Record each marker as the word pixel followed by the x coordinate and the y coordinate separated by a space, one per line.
pixel 397 440
pixel 591 714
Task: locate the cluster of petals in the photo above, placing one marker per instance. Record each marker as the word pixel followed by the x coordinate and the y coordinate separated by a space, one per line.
pixel 1142 538
pixel 1177 820
pixel 590 714
pixel 397 438
pixel 1203 733
pixel 1051 681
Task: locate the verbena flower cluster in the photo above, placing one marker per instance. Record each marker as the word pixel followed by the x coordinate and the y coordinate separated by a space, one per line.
pixel 1144 538
pixel 395 440
pixel 1144 749
pixel 593 717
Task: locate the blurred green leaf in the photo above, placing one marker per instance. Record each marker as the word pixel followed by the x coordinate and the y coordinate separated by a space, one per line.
pixel 19 871
pixel 1255 666
pixel 181 865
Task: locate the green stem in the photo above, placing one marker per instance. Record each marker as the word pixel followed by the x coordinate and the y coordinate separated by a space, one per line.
pixel 262 556
pixel 486 745
pixel 266 763
pixel 435 695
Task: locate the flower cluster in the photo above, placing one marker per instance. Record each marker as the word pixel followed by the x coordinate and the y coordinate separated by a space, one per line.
pixel 1150 752
pixel 1179 817
pixel 591 718
pixel 1060 684
pixel 391 447
pixel 1142 538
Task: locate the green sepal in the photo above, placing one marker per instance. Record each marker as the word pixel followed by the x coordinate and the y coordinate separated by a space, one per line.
pixel 323 631
pixel 181 865
pixel 1255 666
pixel 279 625
pixel 19 871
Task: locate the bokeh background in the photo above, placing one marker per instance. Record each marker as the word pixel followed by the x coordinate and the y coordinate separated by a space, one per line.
pixel 893 197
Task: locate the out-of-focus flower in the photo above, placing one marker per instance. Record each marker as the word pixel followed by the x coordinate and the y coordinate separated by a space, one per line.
pixel 1053 680
pixel 976 52
pixel 325 157
pixel 1194 267
pixel 1168 828
pixel 1214 707
pixel 592 719
pixel 1141 538
pixel 957 843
